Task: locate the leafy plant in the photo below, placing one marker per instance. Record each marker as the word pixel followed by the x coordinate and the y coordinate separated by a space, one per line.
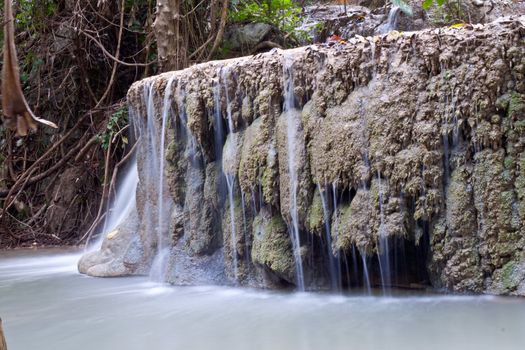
pixel 446 11
pixel 34 15
pixel 283 14
pixel 116 123
pixel 427 4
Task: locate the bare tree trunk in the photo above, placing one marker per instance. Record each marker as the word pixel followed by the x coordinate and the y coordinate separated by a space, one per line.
pixel 172 51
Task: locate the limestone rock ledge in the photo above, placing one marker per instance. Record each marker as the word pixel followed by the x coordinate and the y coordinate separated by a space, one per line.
pixel 418 136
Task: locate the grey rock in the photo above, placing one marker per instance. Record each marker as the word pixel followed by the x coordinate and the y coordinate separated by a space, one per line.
pixel 120 253
pixel 246 36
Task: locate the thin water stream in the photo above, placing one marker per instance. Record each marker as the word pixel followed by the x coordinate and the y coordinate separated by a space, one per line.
pixel 46 304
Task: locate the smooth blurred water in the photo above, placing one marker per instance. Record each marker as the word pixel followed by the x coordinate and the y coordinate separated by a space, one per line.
pixel 46 304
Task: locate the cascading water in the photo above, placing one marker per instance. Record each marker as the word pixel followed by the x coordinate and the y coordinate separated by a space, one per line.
pixel 245 229
pixel 230 181
pixel 333 261
pixel 383 253
pixel 366 161
pixel 291 134
pixel 391 20
pixel 230 178
pixel 354 261
pixel 366 276
pixel 123 204
pixel 446 147
pixel 150 150
pixel 218 132
pixel 158 268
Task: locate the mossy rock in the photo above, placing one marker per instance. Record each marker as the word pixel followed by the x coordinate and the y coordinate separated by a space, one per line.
pixel 315 219
pixel 272 248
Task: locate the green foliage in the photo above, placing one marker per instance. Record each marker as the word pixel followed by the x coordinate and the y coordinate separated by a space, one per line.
pixel 283 14
pixel 427 4
pixel 446 12
pixel 116 122
pixel 33 15
pixel 29 66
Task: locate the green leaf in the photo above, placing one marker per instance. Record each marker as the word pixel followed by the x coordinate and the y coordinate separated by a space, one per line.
pixel 440 2
pixel 427 4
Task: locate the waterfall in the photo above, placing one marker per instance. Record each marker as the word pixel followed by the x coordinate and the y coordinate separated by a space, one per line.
pixel 246 234
pixel 123 203
pixel 446 147
pixel 391 20
pixel 383 253
pixel 218 132
pixel 354 262
pixel 151 158
pixel 158 268
pixel 230 178
pixel 291 134
pixel 333 261
pixel 366 276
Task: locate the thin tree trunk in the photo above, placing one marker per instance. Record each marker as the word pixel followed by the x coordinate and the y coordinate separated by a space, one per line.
pixel 222 26
pixel 172 53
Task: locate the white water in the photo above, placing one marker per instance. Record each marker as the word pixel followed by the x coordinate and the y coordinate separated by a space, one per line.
pixel 335 273
pixel 159 266
pixel 46 305
pixel 383 253
pixel 391 20
pixel 230 178
pixel 123 204
pixel 366 276
pixel 291 134
pixel 157 204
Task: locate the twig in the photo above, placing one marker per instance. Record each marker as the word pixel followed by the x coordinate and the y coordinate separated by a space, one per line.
pixel 99 216
pixel 119 132
pixel 222 26
pixel 44 156
pixel 36 178
pixel 8 202
pixel 86 148
pixel 106 52
pixel 102 198
pixel 117 55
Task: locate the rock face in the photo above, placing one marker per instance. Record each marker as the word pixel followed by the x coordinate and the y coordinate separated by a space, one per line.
pixel 408 155
pixel 121 252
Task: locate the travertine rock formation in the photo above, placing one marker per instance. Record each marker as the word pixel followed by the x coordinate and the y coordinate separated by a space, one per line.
pixel 416 138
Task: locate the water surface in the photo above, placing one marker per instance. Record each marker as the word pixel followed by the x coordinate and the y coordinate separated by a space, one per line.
pixel 46 304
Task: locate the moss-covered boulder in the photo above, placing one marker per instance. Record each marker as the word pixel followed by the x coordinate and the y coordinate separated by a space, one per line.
pixel 272 248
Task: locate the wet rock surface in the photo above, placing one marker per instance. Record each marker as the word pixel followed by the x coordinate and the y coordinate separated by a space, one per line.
pixel 418 137
pixel 121 252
